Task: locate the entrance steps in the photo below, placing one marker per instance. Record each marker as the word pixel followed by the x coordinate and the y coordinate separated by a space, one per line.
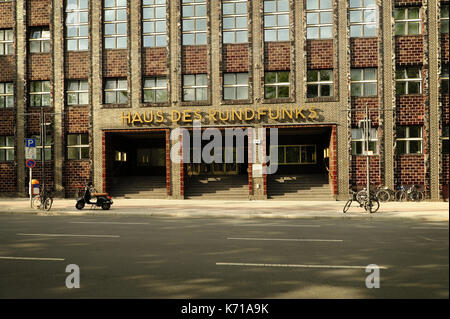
pixel 217 187
pixel 308 187
pixel 151 187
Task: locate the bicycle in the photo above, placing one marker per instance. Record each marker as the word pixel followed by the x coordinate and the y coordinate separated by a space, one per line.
pixel 44 200
pixel 384 194
pixel 371 205
pixel 411 193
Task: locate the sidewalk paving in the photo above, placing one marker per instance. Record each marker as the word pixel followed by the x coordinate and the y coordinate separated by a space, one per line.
pixel 425 211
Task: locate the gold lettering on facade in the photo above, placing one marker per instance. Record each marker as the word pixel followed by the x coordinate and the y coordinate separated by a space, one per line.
pixel 187 116
pixel 299 112
pixel 247 118
pixel 137 118
pixel 145 117
pixel 160 117
pixel 277 114
pixel 176 116
pixel 127 117
pixel 212 115
pixel 312 113
pixel 236 114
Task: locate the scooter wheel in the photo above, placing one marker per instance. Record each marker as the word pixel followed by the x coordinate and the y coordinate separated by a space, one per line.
pixel 106 206
pixel 79 205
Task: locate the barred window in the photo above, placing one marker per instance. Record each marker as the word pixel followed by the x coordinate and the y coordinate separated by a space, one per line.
pixel 154 23
pixel 47 147
pixel 235 86
pixel 77 21
pixel 6 148
pixel 363 18
pixel 77 92
pixel 77 146
pixel 276 20
pixel 194 22
pixel 116 91
pixel 444 79
pixel 364 82
pixel 359 142
pixel 409 139
pixel 39 93
pixel 155 89
pixel 195 87
pixel 6 41
pixel 115 24
pixel 407 21
pixel 40 40
pixel 319 83
pixel 276 85
pixel 234 20
pixel 444 18
pixel 408 81
pixel 319 19
pixel 6 94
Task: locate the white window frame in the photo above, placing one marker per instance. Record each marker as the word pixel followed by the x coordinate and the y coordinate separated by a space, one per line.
pixel 407 21
pixel 196 87
pixel 234 85
pixel 408 139
pixel 78 145
pixel 40 93
pixel 320 83
pixel 407 80
pixel 117 89
pixel 156 38
pixel 6 94
pixel 73 8
pixel 277 85
pixel 200 36
pixel 276 28
pixel 44 42
pixel 116 22
pixel 360 6
pixel 79 91
pixel 7 147
pixel 363 81
pixel 6 42
pixel 319 10
pixel 373 138
pixel 234 31
pixel 156 88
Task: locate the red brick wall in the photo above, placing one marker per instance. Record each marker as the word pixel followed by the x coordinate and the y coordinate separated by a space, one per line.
pixel 410 169
pixel 410 109
pixel 7 177
pixel 7 68
pixel 319 54
pixel 7 122
pixel 445 47
pixel 364 52
pixel 408 2
pixel 76 173
pixel 115 63
pixel 445 108
pixel 39 66
pixel 445 169
pixel 359 173
pixel 235 57
pixel 32 121
pixel 409 50
pixel 37 173
pixel 194 59
pixel 77 119
pixel 76 65
pixel 38 12
pixel 6 15
pixel 359 109
pixel 154 61
pixel 277 56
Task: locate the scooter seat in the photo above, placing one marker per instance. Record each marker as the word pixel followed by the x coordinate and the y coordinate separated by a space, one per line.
pixel 100 194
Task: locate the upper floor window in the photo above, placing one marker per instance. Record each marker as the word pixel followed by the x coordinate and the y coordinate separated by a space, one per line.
pixel 445 137
pixel 194 22
pixel 195 87
pixel 235 86
pixel 40 93
pixel 77 25
pixel 7 148
pixel 359 143
pixel 319 83
pixel 154 23
pixel 364 82
pixel 77 92
pixel 6 41
pixel 276 20
pixel 319 19
pixel 155 89
pixel 234 21
pixel 40 40
pixel 444 18
pixel 276 85
pixel 444 79
pixel 409 139
pixel 363 18
pixel 115 24
pixel 408 81
pixel 116 91
pixel 6 94
pixel 407 21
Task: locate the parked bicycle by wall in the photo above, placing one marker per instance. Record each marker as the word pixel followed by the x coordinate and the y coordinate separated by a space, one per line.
pixel 44 200
pixel 411 193
pixel 370 203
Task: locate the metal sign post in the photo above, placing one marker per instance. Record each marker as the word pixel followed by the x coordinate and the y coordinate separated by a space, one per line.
pixel 30 164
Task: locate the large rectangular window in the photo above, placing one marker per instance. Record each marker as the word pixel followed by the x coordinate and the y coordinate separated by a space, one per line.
pixel 276 20
pixel 77 92
pixel 116 91
pixel 235 86
pixel 77 25
pixel 295 154
pixel 234 21
pixel 77 146
pixel 445 138
pixel 276 85
pixel 155 89
pixel 40 93
pixel 319 19
pixel 39 40
pixel 6 148
pixel 6 94
pixel 115 24
pixel 444 18
pixel 408 81
pixel 444 79
pixel 319 83
pixel 194 22
pixel 47 147
pixel 359 143
pixel 409 139
pixel 364 82
pixel 195 87
pixel 363 18
pixel 407 21
pixel 6 41
pixel 154 24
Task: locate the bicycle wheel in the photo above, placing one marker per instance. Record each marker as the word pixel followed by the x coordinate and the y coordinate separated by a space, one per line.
pixel 48 203
pixel 347 206
pixel 400 196
pixel 383 195
pixel 372 206
pixel 36 202
pixel 416 196
pixel 361 197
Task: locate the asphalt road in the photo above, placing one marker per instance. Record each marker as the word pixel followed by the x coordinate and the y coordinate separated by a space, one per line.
pixel 149 257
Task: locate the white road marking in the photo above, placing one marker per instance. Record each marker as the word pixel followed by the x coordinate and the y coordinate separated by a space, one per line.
pixel 294 266
pixel 443 228
pixel 276 225
pixel 288 239
pixel 32 258
pixel 69 235
pixel 112 223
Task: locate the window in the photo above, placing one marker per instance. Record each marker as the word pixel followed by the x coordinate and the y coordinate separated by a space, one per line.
pixel 115 24
pixel 154 23
pixel 195 87
pixel 319 83
pixel 364 82
pixel 276 85
pixel 445 136
pixel 235 86
pixel 116 91
pixel 409 140
pixel 47 148
pixel 194 22
pixel 77 25
pixel 444 79
pixel 40 40
pixel 6 42
pixel 359 143
pixel 407 21
pixel 40 93
pixel 444 18
pixel 408 81
pixel 363 18
pixel 295 154
pixel 77 146
pixel 77 92
pixel 155 89
pixel 319 19
pixel 276 20
pixel 234 21
pixel 6 95
pixel 6 148
pixel 120 156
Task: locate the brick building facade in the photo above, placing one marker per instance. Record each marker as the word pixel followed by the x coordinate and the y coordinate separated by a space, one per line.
pixel 116 75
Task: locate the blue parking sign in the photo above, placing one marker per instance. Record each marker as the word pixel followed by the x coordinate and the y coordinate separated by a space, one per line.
pixel 30 142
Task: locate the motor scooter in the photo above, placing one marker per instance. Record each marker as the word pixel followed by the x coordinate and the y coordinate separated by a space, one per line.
pixel 103 200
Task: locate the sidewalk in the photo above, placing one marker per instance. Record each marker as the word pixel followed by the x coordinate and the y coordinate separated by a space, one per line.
pixel 426 211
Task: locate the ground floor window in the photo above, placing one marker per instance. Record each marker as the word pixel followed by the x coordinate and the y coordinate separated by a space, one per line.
pixel 77 146
pixel 6 148
pixel 409 140
pixel 358 142
pixel 295 154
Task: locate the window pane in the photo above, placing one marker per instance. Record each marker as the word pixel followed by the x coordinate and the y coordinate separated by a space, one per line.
pixel 312 91
pixel 370 89
pixel 312 33
pixel 401 147
pixel 413 13
pixel 413 27
pixel 356 31
pixel 149 95
pixel 229 94
pixel 356 89
pixel 83 98
pixel 413 87
pixel 326 32
pixel 325 90
pixel 72 99
pixel 283 91
pixel 415 131
pixel 85 153
pixel 400 28
pixel 401 131
pixel 110 97
pixel 269 92
pixel 242 93
pixel 189 94
pixel 415 147
pixel 161 96
pixel 370 74
pixel 283 77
